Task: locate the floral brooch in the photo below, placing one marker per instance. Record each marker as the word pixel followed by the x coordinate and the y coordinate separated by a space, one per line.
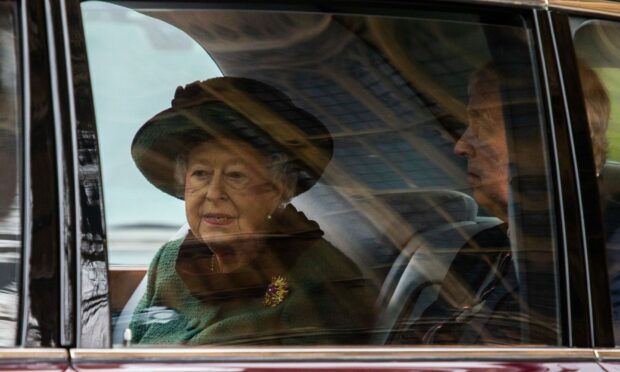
pixel 276 291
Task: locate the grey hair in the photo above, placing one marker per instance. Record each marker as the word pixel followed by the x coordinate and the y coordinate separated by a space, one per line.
pixel 283 171
pixel 180 168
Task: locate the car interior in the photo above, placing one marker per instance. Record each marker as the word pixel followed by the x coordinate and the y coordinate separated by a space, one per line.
pixel 395 198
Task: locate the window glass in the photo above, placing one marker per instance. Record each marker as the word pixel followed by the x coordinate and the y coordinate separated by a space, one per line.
pixel 285 178
pixel 135 62
pixel 599 67
pixel 11 175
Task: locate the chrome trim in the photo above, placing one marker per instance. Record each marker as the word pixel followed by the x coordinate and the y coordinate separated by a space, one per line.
pixel 607 354
pixel 42 354
pixel 60 172
pixel 523 3
pixel 547 92
pixel 69 297
pixel 318 354
pixel 600 7
pixel 26 201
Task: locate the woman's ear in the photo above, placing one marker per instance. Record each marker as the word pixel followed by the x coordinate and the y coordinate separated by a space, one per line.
pixel 285 190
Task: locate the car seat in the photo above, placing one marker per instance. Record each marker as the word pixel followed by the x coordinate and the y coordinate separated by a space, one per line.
pixel 415 279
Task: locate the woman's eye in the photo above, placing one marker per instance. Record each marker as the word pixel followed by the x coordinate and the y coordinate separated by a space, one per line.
pixel 236 176
pixel 199 173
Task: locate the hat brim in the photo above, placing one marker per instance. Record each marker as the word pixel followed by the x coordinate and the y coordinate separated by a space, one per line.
pixel 164 139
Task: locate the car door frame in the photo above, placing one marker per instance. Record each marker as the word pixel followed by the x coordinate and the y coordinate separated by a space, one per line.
pixel 38 345
pixel 592 223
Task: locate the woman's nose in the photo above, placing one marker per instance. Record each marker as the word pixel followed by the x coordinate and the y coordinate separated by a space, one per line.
pixel 215 189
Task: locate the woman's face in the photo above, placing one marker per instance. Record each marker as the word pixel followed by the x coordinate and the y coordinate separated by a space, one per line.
pixel 229 192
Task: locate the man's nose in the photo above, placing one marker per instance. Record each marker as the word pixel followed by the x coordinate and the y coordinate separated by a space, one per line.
pixel 463 146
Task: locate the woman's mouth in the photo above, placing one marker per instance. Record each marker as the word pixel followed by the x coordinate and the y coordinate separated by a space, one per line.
pixel 217 219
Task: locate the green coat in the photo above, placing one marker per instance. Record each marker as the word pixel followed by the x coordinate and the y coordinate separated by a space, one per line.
pixel 328 302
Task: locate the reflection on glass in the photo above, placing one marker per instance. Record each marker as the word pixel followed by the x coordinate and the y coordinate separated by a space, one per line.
pixel 135 62
pixel 10 174
pixel 386 160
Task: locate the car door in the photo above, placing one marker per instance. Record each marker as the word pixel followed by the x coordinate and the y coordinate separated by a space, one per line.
pixel 32 177
pixel 475 250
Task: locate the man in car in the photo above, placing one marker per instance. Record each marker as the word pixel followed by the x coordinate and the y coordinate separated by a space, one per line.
pixel 484 144
pixel 479 299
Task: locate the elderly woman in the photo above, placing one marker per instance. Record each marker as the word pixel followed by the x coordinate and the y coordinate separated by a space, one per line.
pixel 251 268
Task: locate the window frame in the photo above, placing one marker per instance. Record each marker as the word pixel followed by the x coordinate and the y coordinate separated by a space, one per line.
pixel 593 253
pixel 85 283
pixel 40 187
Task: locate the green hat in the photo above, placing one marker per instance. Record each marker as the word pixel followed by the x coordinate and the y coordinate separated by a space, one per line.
pixel 235 108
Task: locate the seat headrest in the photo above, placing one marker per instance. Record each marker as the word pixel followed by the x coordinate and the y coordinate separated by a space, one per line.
pixel 428 208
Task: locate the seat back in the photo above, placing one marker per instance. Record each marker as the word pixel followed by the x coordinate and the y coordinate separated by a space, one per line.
pixel 415 280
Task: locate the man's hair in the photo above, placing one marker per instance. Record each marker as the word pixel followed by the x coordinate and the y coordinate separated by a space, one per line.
pixel 597 104
pixel 486 75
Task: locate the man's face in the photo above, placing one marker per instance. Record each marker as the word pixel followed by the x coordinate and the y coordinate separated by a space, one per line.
pixel 484 145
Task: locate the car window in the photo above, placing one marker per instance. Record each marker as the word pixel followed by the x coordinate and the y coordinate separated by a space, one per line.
pixel 600 76
pixel 11 176
pixel 302 177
